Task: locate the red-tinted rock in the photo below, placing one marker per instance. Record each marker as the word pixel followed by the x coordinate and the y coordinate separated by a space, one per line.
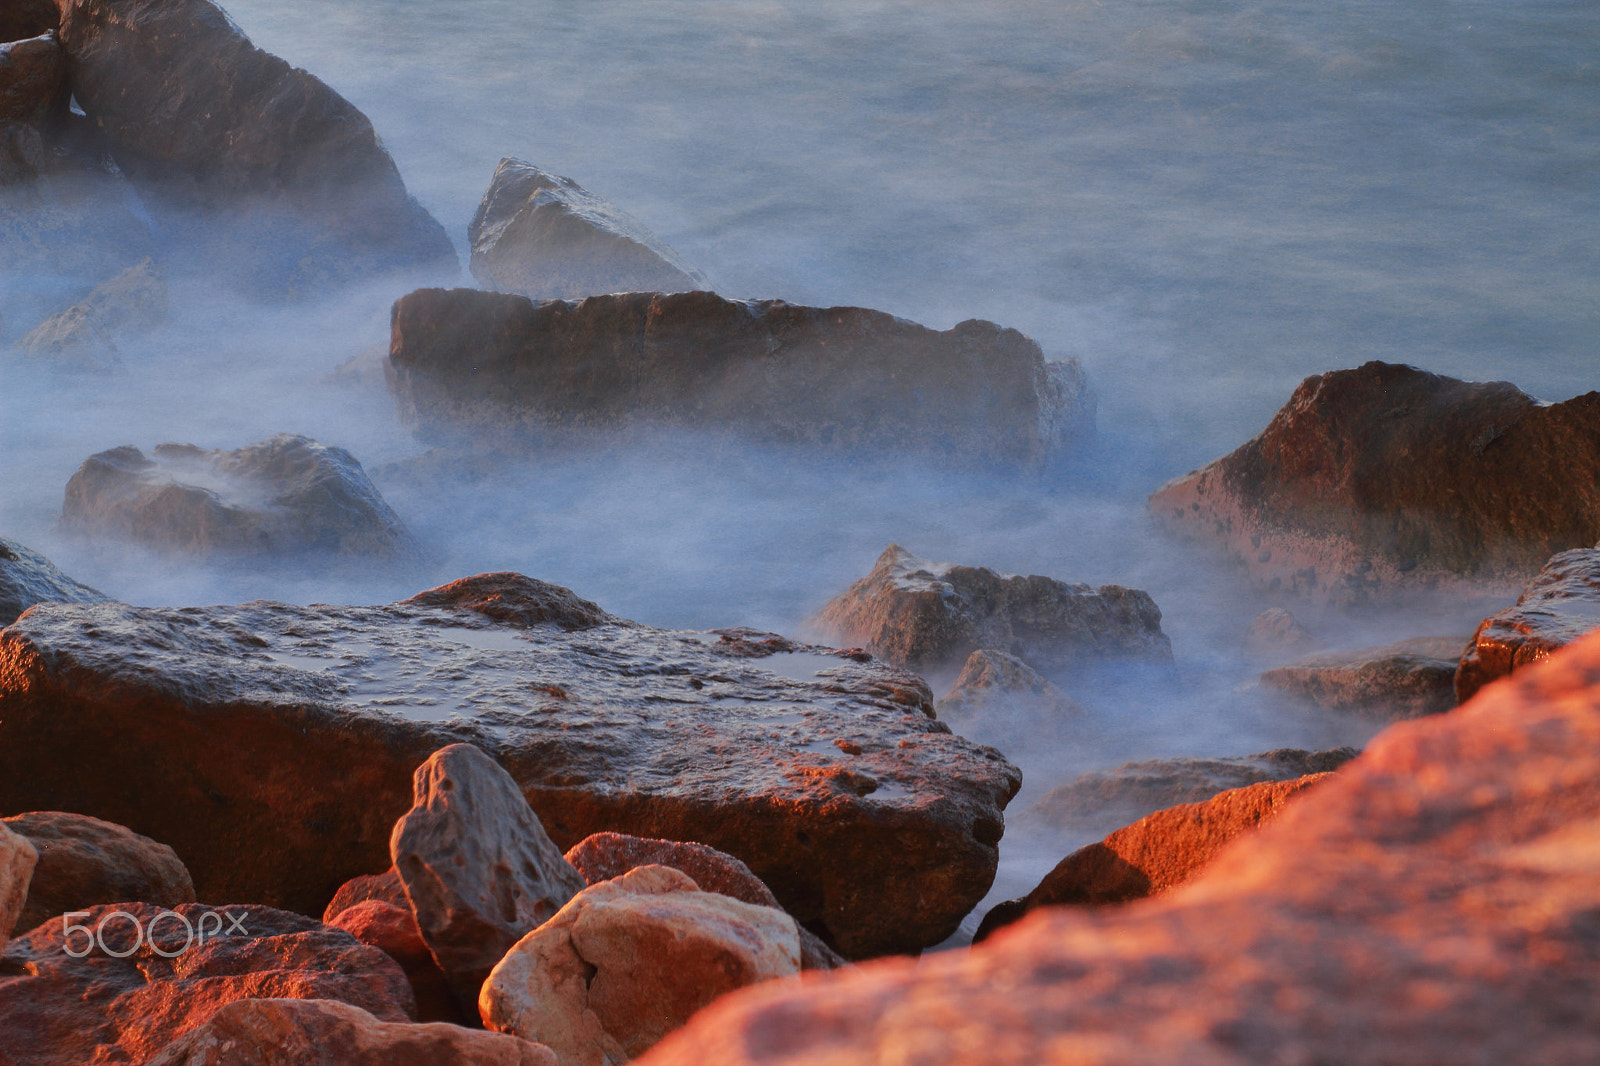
pixel 393 930
pixel 20 19
pixel 384 887
pixel 1377 482
pixel 132 993
pixel 27 578
pixel 1559 605
pixel 1276 633
pixel 33 94
pixel 502 369
pixel 17 859
pixel 992 683
pixel 1407 679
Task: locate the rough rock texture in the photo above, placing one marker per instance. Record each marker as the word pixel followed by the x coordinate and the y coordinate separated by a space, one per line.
pixel 293 1032
pixel 503 370
pixel 284 494
pixel 22 19
pixel 1274 632
pixel 547 237
pixel 1559 605
pixel 630 960
pixel 1135 789
pixel 478 868
pixel 1156 853
pixel 278 180
pixel 384 887
pixel 1433 902
pixel 273 745
pixel 84 862
pixel 55 1008
pixel 84 335
pixel 1377 482
pixel 33 96
pixel 393 930
pixel 1407 679
pixel 27 578
pixel 926 615
pixel 602 856
pixel 17 859
pixel 991 681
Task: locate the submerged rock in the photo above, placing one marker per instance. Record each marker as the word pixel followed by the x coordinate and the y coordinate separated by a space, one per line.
pixel 84 335
pixel 504 370
pixel 1559 605
pixel 284 494
pixel 547 237
pixel 1374 483
pixel 929 615
pixel 1407 679
pixel 867 818
pixel 27 578
pixel 1275 632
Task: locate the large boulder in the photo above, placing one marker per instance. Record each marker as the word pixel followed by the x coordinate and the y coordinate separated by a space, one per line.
pixel 1559 605
pixel 1433 902
pixel 118 983
pixel 17 859
pixel 925 615
pixel 85 334
pixel 285 494
pixel 275 179
pixel 549 238
pixel 630 960
pixel 27 578
pixel 1374 483
pixel 504 370
pixel 273 745
pixel 1406 679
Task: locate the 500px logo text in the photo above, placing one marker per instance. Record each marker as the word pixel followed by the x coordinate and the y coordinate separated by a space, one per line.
pixel 210 925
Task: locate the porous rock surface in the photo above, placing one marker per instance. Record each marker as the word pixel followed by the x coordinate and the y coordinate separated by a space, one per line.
pixel 284 494
pixel 500 369
pixel 84 334
pixel 84 862
pixel 549 238
pixel 1274 632
pixel 1559 605
pixel 132 993
pixel 630 960
pixel 1407 679
pixel 27 578
pixel 925 615
pixel 316 1032
pixel 273 745
pixel 17 859
pixel 1433 902
pixel 1374 483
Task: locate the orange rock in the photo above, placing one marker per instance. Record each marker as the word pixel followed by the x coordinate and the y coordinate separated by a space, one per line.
pixel 17 860
pixel 393 930
pixel 1401 680
pixel 1559 605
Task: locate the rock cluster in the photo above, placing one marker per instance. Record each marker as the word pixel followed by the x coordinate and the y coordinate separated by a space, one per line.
pixel 1558 606
pixel 1402 680
pixel 27 578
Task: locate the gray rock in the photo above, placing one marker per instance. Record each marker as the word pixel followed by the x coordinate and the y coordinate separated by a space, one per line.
pixel 27 578
pixel 1407 679
pixel 1559 605
pixel 84 335
pixel 994 687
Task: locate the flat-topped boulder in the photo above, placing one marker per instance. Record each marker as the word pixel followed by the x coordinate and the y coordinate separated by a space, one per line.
pixel 498 368
pixel 1559 605
pixel 273 746
pixel 1375 483
pixel 27 578
pixel 1406 679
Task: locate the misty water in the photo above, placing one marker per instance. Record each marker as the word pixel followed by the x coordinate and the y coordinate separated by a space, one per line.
pixel 1203 202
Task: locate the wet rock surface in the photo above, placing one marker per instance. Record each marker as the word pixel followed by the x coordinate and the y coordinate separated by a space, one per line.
pixel 273 745
pixel 128 1000
pixel 27 578
pixel 1407 679
pixel 503 370
pixel 1432 902
pixel 84 335
pixel 286 494
pixel 547 237
pixel 17 859
pixel 1559 605
pixel 925 615
pixel 1374 483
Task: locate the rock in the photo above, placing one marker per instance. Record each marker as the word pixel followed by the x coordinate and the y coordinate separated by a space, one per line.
pixel 310 1032
pixel 501 370
pixel 33 94
pixel 84 862
pixel 547 237
pixel 602 856
pixel 27 578
pixel 1135 789
pixel 17 860
pixel 1154 854
pixel 476 864
pixel 630 960
pixel 22 19
pixel 1433 902
pixel 148 979
pixel 384 887
pixel 825 774
pixel 393 930
pixel 1376 483
pixel 1559 605
pixel 929 615
pixel 1407 679
pixel 991 682
pixel 84 335
pixel 1274 632
pixel 285 494
pixel 277 181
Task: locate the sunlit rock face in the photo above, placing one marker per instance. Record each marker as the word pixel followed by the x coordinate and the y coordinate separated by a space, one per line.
pixel 1378 482
pixel 18 857
pixel 274 180
pixel 27 578
pixel 218 729
pixel 1434 901
pixel 502 369
pixel 1402 680
pixel 1559 605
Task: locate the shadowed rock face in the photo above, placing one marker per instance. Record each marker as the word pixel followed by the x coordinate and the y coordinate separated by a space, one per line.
pixel 1557 607
pixel 33 75
pixel 503 369
pixel 1433 902
pixel 1403 680
pixel 20 19
pixel 27 578
pixel 1380 481
pixel 272 746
